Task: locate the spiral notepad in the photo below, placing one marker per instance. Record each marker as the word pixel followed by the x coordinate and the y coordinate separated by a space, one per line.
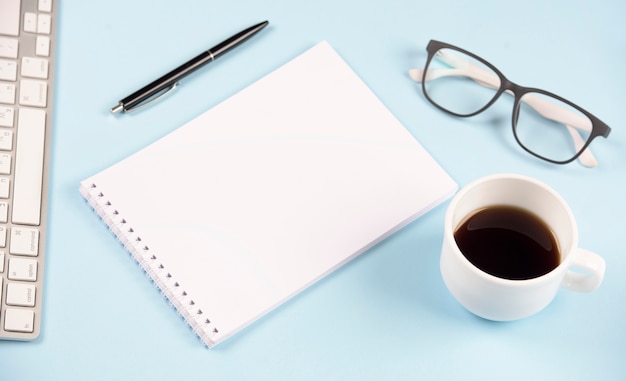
pixel 251 202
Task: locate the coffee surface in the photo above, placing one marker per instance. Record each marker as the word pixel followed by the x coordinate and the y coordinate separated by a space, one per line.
pixel 508 242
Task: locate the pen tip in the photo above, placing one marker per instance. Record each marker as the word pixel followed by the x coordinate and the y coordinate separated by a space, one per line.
pixel 117 108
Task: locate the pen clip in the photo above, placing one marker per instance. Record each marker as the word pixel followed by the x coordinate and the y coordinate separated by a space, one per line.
pixel 164 92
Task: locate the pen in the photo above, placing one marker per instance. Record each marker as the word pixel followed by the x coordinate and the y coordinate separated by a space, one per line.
pixel 169 81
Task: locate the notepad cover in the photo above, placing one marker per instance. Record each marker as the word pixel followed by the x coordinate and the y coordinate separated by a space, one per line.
pixel 264 194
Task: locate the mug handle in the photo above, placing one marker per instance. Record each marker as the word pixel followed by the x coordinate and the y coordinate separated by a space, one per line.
pixel 592 266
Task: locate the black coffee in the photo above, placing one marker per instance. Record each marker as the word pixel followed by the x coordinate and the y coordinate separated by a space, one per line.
pixel 508 242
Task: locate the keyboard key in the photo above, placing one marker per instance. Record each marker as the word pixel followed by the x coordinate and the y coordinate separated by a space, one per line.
pixel 3 236
pixel 21 294
pixel 6 140
pixel 24 241
pixel 10 18
pixel 8 47
pixel 19 320
pixel 23 269
pixel 5 167
pixel 7 93
pixel 8 70
pixel 5 186
pixel 42 46
pixel 45 6
pixel 6 116
pixel 4 215
pixel 31 131
pixel 44 24
pixel 34 67
pixel 33 93
pixel 30 22
pixel 1 269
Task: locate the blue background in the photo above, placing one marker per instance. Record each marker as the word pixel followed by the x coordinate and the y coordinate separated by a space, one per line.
pixel 386 315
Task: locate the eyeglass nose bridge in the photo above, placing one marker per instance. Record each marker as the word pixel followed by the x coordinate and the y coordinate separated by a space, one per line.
pixel 517 92
pixel 506 86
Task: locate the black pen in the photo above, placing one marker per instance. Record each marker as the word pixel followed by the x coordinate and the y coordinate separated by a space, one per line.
pixel 170 80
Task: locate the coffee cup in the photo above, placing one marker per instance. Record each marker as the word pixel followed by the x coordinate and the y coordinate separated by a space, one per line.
pixel 510 243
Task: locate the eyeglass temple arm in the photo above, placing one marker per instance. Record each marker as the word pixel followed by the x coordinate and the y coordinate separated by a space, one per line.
pixel 549 110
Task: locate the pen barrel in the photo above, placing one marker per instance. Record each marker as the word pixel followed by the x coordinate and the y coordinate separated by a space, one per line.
pixel 166 80
pixel 237 39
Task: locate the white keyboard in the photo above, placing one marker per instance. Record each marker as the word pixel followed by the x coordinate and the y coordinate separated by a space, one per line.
pixel 27 39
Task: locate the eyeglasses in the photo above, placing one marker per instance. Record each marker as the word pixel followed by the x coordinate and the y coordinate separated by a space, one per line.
pixel 544 124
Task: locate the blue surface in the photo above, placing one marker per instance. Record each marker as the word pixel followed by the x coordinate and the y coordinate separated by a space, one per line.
pixel 386 315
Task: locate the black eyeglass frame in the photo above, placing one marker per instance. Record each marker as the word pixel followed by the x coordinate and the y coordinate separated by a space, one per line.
pixel 598 128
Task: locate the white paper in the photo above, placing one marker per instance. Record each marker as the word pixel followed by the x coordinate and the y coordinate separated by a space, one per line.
pixel 269 191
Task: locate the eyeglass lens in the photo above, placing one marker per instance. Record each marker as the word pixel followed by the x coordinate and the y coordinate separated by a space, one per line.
pixel 544 125
pixel 459 83
pixel 551 128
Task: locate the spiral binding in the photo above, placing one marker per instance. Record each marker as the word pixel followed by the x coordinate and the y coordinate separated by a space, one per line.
pixel 156 271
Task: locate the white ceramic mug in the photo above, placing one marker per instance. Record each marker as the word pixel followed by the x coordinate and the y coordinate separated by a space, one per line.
pixel 502 299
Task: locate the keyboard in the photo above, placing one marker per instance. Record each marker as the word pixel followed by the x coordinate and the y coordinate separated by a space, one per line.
pixel 27 55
